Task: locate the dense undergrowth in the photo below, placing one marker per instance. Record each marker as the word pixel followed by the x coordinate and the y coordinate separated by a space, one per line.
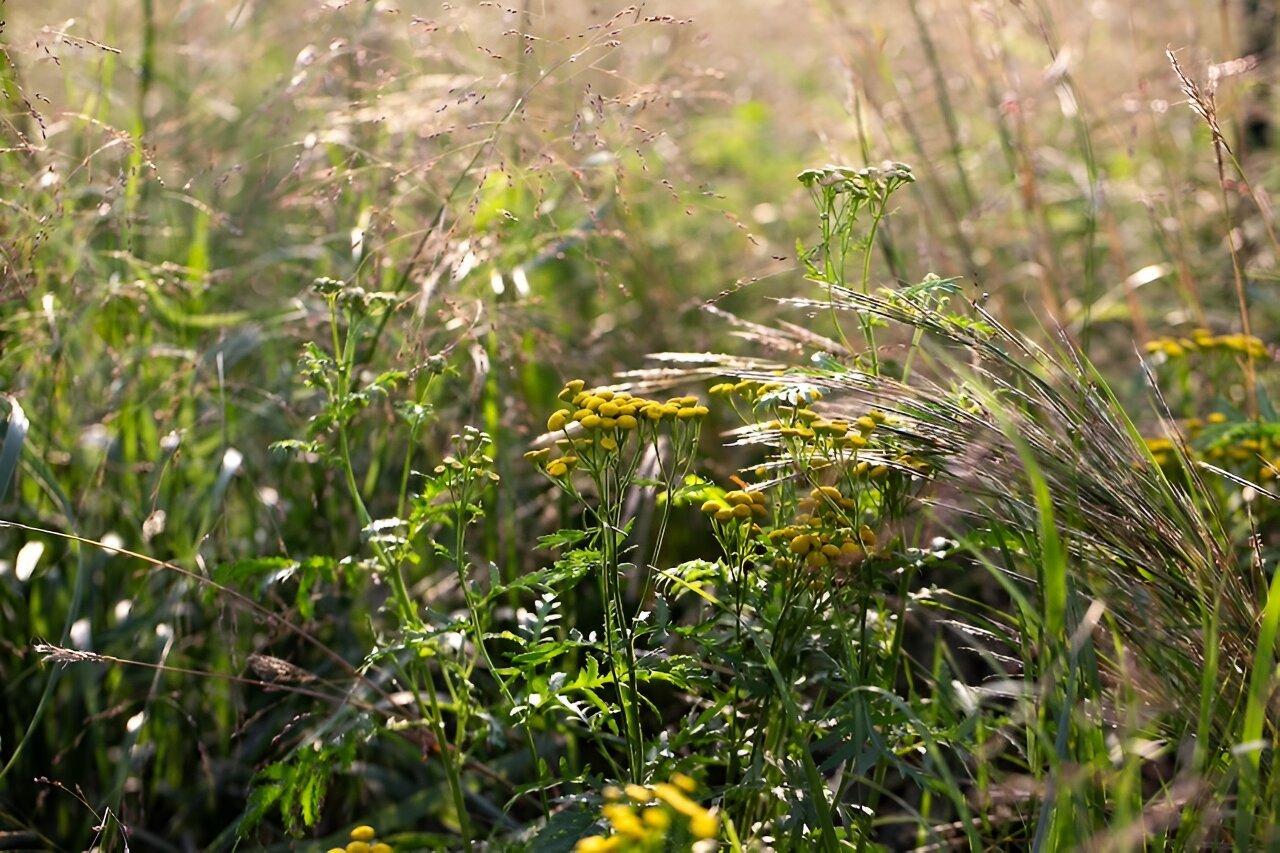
pixel 488 427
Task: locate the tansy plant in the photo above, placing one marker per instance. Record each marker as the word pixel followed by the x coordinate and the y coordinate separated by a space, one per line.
pixel 796 616
pixel 615 443
pixel 845 197
pixel 433 657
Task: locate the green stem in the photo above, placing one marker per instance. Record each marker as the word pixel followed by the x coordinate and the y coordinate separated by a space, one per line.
pixel 477 629
pixel 344 356
pixel 450 769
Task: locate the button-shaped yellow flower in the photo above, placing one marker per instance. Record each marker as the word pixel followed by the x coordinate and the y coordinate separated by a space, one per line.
pixel 624 819
pixel 639 793
pixel 597 844
pixel 712 507
pixel 705 825
pixel 571 389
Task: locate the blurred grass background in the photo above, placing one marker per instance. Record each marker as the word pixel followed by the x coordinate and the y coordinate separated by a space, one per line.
pixel 551 190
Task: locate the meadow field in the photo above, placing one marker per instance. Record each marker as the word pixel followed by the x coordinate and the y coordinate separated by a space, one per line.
pixel 567 427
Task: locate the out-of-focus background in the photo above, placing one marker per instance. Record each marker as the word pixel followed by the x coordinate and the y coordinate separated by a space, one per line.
pixel 547 191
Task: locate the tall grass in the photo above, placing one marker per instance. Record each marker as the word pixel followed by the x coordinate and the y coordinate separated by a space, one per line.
pixel 334 491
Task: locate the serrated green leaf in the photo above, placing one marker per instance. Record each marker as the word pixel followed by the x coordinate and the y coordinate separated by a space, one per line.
pixel 562 539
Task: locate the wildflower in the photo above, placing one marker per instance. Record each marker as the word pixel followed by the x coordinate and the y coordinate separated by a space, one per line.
pixel 639 793
pixel 627 422
pixel 557 420
pixel 363 833
pixel 680 780
pixel 705 825
pixel 358 847
pixel 597 844
pixel 624 819
pixel 657 819
pixel 673 796
pixel 381 847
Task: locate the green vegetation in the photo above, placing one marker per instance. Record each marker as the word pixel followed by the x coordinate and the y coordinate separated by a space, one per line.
pixel 494 428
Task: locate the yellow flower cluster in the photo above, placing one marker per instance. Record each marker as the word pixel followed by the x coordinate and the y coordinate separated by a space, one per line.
pixel 652 817
pixel 806 424
pixel 363 841
pixel 1255 446
pixel 752 391
pixel 737 504
pixel 609 418
pixel 1203 340
pixel 1162 451
pixel 602 409
pixel 824 531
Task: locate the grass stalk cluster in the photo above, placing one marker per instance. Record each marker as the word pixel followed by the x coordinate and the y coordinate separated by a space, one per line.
pixel 489 428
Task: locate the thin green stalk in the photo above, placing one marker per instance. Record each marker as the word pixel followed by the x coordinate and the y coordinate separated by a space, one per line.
pixel 890 680
pixel 617 625
pixel 817 788
pixel 450 769
pixel 1251 743
pixel 408 612
pixel 954 147
pixel 477 629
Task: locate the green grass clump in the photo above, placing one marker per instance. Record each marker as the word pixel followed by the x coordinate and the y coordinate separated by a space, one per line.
pixel 943 513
